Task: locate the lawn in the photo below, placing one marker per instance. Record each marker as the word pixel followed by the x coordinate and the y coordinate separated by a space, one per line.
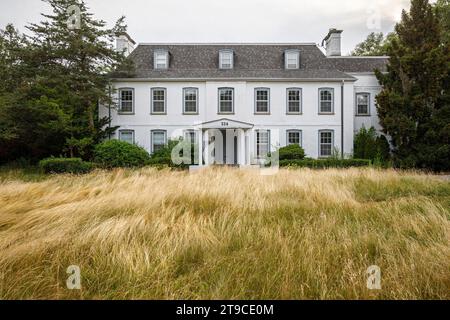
pixel 225 233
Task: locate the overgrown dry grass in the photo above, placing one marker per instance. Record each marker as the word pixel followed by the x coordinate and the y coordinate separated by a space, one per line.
pixel 226 234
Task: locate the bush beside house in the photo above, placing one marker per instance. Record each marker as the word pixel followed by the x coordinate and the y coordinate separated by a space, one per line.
pixel 369 145
pixel 115 153
pixel 291 152
pixel 325 163
pixel 65 165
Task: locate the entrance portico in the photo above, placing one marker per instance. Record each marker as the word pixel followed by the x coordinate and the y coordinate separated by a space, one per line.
pixel 224 141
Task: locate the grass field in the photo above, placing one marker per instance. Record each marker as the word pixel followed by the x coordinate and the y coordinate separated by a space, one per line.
pixel 225 234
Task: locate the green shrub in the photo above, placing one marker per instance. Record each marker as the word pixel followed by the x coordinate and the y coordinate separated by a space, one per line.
pixel 115 153
pixel 65 165
pixel 325 163
pixel 291 152
pixel 368 145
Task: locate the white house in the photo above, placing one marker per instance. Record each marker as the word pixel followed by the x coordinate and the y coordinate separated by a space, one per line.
pixel 238 101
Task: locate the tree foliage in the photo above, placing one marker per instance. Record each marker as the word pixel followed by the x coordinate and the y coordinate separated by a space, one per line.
pixel 414 105
pixel 115 153
pixel 369 145
pixel 53 81
pixel 376 44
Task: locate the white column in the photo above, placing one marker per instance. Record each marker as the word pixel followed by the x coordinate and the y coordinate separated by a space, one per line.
pixel 200 147
pixel 241 144
pixel 206 152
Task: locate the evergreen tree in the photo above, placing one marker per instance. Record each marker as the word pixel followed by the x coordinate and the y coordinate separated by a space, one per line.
pixel 31 124
pixel 369 145
pixel 413 106
pixel 63 73
pixel 442 9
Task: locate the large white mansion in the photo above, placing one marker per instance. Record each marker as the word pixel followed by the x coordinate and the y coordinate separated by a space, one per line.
pixel 246 99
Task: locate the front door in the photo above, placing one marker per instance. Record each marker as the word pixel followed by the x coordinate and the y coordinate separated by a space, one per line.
pixel 229 147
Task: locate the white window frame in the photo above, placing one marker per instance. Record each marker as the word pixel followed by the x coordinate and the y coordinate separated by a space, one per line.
pixel 264 101
pixel 152 145
pixel 122 131
pixel 160 54
pixel 152 100
pixel 184 100
pixel 121 101
pixel 300 109
pixel 300 137
pixel 357 105
pixel 321 155
pixel 226 59
pixel 257 144
pixel 326 101
pixel 219 107
pixel 292 59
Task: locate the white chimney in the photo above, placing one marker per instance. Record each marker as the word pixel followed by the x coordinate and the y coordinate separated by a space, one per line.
pixel 124 43
pixel 333 42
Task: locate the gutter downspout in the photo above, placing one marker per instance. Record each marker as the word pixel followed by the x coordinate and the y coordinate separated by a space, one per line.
pixel 342 119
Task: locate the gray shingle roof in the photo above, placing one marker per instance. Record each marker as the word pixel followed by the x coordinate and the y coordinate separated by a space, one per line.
pixel 251 61
pixel 358 64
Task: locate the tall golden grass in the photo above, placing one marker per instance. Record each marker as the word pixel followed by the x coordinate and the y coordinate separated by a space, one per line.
pixel 226 234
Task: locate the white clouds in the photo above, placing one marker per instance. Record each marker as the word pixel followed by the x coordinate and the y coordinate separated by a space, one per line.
pixel 231 20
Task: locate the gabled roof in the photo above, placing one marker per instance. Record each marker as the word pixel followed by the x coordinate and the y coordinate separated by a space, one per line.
pixel 230 124
pixel 251 62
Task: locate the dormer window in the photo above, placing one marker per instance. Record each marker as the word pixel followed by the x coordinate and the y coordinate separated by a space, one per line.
pixel 161 59
pixel 291 59
pixel 226 59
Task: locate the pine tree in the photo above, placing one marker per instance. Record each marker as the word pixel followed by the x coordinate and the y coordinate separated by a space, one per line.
pixel 77 63
pixel 413 106
pixel 56 77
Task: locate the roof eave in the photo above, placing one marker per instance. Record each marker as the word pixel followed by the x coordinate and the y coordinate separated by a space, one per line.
pixel 349 79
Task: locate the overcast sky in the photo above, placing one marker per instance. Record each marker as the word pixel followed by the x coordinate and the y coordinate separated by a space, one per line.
pixel 231 20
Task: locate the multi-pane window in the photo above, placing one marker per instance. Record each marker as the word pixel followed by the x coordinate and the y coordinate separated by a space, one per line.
pixel 190 96
pixel 226 59
pixel 326 97
pixel 158 140
pixel 294 98
pixel 362 104
pixel 126 135
pixel 262 143
pixel 262 100
pixel 161 59
pixel 325 143
pixel 226 100
pixel 294 137
pixel 126 100
pixel 158 100
pixel 292 58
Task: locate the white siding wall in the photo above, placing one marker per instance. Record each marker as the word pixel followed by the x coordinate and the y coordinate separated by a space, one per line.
pixel 367 83
pixel 310 122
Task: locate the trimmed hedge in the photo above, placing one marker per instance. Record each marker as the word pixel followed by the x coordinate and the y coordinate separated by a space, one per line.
pixel 291 152
pixel 65 165
pixel 116 154
pixel 325 163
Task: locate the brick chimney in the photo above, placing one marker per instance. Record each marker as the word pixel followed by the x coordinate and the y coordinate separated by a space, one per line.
pixel 333 42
